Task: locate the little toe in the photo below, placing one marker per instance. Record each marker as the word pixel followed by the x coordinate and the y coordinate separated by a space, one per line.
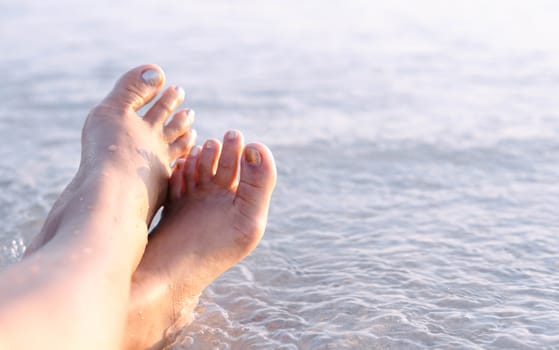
pixel 190 173
pixel 176 183
pixel 208 162
pixel 182 145
pixel 228 166
pixel 178 126
pixel 135 88
pixel 257 181
pixel 162 109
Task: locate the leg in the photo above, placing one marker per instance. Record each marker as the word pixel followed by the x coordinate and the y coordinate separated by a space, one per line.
pixel 72 287
pixel 212 219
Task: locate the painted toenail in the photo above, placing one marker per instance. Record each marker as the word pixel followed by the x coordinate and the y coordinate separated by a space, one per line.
pixel 152 77
pixel 231 135
pixel 252 156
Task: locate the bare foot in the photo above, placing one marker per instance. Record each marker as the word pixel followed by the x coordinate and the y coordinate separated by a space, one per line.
pixel 128 154
pixel 212 219
pixel 95 235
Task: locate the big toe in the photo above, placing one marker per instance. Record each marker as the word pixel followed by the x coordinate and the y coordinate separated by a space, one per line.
pixel 257 181
pixel 136 87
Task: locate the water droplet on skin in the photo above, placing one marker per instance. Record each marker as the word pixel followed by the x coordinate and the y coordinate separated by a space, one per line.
pixel 112 148
pixel 81 199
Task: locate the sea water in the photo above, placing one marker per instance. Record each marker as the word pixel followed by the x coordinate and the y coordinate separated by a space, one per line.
pixel 417 146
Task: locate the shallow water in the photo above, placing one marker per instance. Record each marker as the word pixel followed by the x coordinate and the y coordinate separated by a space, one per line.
pixel 417 152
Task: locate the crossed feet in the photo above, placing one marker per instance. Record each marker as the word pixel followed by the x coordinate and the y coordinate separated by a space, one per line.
pixel 215 199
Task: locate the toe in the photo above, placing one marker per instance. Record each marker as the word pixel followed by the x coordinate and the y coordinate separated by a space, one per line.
pixel 257 181
pixel 190 173
pixel 182 145
pixel 135 88
pixel 182 120
pixel 208 162
pixel 228 165
pixel 162 109
pixel 176 186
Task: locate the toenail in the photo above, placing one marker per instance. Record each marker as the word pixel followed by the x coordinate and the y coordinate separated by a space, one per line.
pixel 195 151
pixel 252 156
pixel 180 91
pixel 231 135
pixel 193 135
pixel 210 144
pixel 190 115
pixel 152 77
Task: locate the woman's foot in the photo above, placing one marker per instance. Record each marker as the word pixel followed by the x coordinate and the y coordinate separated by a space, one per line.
pixel 127 154
pixel 213 218
pixel 95 235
